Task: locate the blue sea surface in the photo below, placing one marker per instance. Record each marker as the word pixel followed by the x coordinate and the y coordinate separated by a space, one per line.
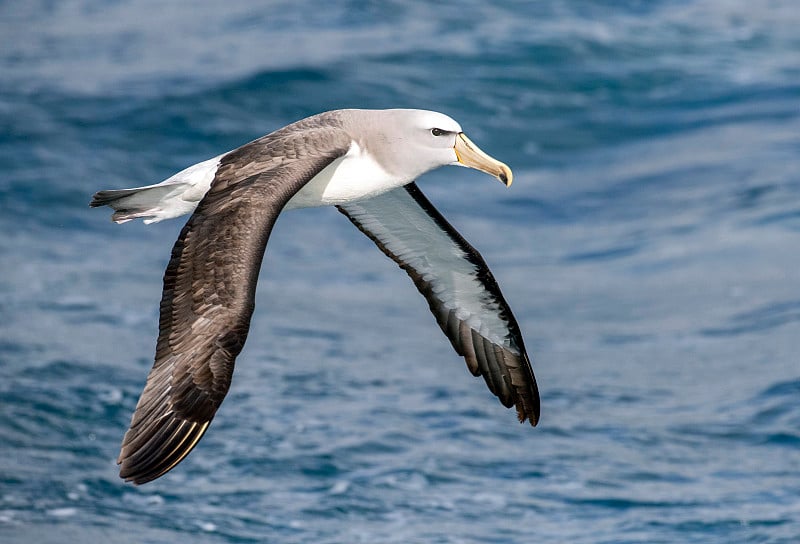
pixel 649 247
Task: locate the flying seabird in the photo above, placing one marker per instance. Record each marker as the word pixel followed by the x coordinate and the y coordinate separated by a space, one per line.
pixel 364 162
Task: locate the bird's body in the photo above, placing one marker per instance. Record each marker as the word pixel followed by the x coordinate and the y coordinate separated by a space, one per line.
pixel 357 174
pixel 362 161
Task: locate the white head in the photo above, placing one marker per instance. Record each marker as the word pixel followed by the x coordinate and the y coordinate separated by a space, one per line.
pixel 412 142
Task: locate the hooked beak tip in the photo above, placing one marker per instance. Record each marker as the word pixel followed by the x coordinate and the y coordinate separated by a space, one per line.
pixel 470 155
pixel 506 176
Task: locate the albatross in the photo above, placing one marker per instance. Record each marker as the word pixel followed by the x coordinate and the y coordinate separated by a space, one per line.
pixel 364 162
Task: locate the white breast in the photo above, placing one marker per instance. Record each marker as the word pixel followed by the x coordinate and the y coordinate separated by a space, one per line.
pixel 355 176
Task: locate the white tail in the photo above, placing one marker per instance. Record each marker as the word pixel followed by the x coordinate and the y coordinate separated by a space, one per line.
pixel 171 198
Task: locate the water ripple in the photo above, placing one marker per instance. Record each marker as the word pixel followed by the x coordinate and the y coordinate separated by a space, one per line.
pixel 647 248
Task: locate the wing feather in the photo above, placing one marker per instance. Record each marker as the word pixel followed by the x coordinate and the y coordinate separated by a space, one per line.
pixel 209 291
pixel 459 287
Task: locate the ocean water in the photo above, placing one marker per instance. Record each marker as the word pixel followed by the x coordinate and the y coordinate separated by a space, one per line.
pixel 649 248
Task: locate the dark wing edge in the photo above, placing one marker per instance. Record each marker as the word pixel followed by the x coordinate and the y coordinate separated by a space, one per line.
pixel 498 355
pixel 209 298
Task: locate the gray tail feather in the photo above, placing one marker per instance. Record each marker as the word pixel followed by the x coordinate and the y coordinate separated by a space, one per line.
pixel 123 216
pixel 140 202
pixel 123 211
pixel 107 198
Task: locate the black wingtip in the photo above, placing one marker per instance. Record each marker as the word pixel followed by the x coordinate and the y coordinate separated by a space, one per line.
pixel 165 448
pixel 535 414
pixel 529 413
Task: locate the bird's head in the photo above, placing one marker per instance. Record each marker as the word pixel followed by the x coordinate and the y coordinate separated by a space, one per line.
pixel 421 140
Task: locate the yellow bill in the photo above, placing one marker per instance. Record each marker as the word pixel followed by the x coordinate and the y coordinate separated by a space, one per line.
pixel 471 155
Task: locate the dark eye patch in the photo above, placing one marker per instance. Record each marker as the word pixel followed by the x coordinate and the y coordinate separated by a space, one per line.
pixel 438 132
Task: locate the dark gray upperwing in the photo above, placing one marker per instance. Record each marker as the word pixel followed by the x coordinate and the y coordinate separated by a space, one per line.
pixel 459 287
pixel 209 293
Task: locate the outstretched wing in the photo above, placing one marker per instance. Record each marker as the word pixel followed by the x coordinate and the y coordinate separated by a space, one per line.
pixel 209 293
pixel 459 287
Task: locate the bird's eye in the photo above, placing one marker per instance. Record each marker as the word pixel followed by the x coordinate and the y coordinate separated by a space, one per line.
pixel 438 132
